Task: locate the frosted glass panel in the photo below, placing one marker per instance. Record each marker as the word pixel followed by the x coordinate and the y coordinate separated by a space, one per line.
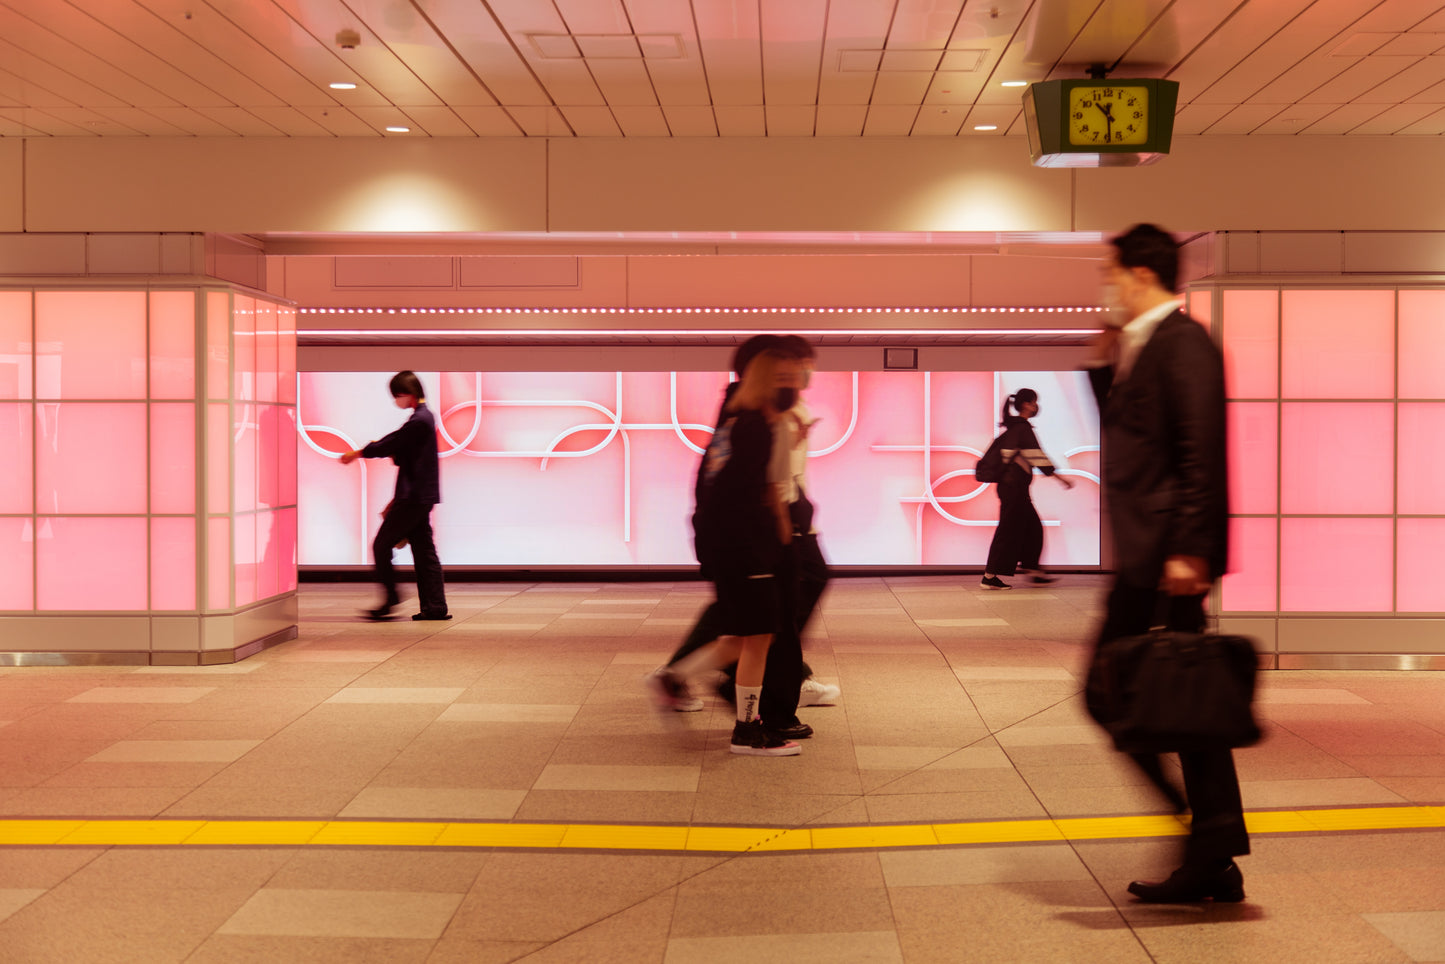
pixel 1250 583
pixel 1251 344
pixel 1418 586
pixel 1422 344
pixel 173 563
pixel 15 344
pixel 266 351
pixel 173 457
pixel 1336 565
pixel 1253 457
pixel 218 458
pixel 244 455
pixel 218 563
pixel 243 325
pixel 91 344
pixel 92 564
pixel 17 564
pixel 173 344
pixel 287 471
pixel 244 556
pixel 286 549
pixel 268 550
pixel 1201 307
pixel 1422 458
pixel 17 455
pixel 1339 344
pixel 90 457
pixel 218 345
pixel 286 354
pixel 1338 457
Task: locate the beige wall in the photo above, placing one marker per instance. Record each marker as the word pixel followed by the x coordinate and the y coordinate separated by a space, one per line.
pixel 246 185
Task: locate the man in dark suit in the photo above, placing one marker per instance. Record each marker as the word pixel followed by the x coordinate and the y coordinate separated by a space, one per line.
pixel 1159 380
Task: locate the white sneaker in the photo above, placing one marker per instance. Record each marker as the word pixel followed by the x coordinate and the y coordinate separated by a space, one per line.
pixel 814 693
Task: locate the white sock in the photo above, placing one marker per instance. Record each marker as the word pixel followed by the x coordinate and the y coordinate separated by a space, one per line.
pixel 748 699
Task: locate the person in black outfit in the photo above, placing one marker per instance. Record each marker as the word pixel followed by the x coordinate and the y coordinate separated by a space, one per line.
pixel 1019 539
pixel 1160 384
pixel 740 530
pixel 413 448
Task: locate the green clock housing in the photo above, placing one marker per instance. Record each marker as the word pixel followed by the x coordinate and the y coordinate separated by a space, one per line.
pixel 1100 123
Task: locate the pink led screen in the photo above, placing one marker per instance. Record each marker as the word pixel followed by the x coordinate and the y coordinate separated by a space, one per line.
pixel 1422 458
pixel 92 344
pixel 15 342
pixel 1422 344
pixel 1318 437
pixel 1250 584
pixel 1338 344
pixel 597 468
pixel 1419 588
pixel 1336 565
pixel 1251 343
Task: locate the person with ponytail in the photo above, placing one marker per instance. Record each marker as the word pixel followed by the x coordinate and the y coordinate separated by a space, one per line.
pixel 1019 539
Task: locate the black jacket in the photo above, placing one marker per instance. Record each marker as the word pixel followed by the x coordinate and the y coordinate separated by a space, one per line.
pixel 1163 439
pixel 413 448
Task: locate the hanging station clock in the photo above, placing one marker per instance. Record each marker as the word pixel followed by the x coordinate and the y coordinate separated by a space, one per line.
pixel 1100 122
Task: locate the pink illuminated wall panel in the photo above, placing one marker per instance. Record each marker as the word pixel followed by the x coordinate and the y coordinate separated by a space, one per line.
pixel 1201 307
pixel 267 360
pixel 1251 343
pixel 218 457
pixel 286 354
pixel 92 344
pixel 173 563
pixel 1422 458
pixel 218 562
pixel 1336 565
pixel 285 549
pixel 243 454
pixel 17 455
pixel 1251 584
pixel 1253 457
pixel 17 563
pixel 92 564
pixel 243 334
pixel 1422 344
pixel 218 345
pixel 1337 457
pixel 1338 344
pixel 90 457
pixel 173 457
pixel 173 344
pixel 597 468
pixel 244 556
pixel 1419 588
pixel 16 366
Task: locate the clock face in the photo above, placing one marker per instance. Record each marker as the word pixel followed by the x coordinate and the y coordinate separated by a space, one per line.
pixel 1108 115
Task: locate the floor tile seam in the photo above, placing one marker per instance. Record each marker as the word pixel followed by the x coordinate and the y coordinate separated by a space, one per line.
pixel 676 838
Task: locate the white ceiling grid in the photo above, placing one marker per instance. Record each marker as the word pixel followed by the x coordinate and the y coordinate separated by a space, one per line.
pixel 701 68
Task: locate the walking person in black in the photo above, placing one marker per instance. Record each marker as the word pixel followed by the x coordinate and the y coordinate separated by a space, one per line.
pixel 413 448
pixel 1019 539
pixel 1160 384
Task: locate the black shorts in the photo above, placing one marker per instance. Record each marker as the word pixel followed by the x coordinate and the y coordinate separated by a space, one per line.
pixel 747 605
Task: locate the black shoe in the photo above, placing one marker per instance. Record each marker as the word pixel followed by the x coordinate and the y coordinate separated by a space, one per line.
pixel 993 582
pixel 381 613
pixel 796 730
pixel 752 739
pixel 1187 886
pixel 1038 577
pixel 429 616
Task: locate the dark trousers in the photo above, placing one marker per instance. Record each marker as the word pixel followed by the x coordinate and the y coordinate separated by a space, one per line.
pixel 1019 538
pixel 410 521
pixel 1211 785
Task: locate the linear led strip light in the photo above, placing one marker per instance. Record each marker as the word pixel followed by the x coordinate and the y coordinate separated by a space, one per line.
pixel 695 331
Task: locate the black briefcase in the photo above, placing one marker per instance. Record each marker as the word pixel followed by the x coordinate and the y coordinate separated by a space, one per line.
pixel 1173 692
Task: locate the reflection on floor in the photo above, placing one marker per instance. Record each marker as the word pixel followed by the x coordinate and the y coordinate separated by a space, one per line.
pixel 498 788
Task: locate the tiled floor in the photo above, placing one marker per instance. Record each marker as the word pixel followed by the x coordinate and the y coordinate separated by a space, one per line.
pixel 304 805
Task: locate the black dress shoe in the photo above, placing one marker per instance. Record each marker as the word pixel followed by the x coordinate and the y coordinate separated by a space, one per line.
pixel 796 730
pixel 429 616
pixel 1188 886
pixel 379 614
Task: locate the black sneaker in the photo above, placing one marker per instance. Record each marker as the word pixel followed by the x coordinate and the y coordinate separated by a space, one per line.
pixel 670 692
pixel 753 739
pixel 796 730
pixel 424 617
pixel 1038 577
pixel 993 582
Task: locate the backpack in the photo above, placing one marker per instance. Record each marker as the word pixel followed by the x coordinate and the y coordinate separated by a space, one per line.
pixel 990 466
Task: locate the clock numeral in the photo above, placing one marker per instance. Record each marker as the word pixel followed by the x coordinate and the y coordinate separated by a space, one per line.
pixel 1132 101
pixel 1083 128
pixel 1138 115
pixel 1078 115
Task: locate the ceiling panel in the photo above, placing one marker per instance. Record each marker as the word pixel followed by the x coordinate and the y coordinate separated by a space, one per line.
pixel 1433 124
pixel 792 34
pixel 690 121
pixel 701 68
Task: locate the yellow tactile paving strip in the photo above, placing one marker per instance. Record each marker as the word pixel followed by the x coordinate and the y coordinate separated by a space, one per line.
pixel 536 836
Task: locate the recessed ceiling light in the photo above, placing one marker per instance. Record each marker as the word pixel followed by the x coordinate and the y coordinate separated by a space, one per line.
pixel 1015 83
pixel 398 130
pixel 986 127
pixel 342 86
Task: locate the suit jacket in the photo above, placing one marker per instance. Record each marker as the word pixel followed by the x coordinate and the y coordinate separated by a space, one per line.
pixel 1163 439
